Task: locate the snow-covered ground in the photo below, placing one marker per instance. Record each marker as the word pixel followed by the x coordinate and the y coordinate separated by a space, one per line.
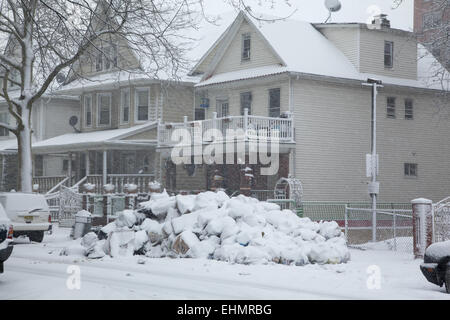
pixel 38 271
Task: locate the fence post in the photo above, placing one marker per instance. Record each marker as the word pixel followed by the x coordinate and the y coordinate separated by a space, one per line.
pixel 422 225
pixel 346 223
pixel 395 231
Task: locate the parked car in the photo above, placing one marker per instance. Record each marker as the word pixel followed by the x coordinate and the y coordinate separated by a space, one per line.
pixel 436 264
pixel 29 214
pixel 6 234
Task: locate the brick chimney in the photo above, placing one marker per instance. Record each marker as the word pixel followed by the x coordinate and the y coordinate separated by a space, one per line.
pixel 380 21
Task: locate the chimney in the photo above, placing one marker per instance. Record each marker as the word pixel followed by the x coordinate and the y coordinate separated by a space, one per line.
pixel 381 21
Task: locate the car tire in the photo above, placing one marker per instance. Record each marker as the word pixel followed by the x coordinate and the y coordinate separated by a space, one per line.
pixel 447 280
pixel 36 236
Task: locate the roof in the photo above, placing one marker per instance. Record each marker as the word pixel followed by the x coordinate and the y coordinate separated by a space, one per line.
pixel 8 146
pixel 94 140
pixel 204 36
pixel 320 57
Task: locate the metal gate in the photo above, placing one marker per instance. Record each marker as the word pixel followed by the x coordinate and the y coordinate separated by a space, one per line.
pixel 393 228
pixel 70 202
pixel 441 220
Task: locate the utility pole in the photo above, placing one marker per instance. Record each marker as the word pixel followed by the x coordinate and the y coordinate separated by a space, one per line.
pixel 372 160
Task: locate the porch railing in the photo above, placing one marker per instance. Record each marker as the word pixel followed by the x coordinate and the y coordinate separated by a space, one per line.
pixel 248 127
pixel 47 183
pixel 119 181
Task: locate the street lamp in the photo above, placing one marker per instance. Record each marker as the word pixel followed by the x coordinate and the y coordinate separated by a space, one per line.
pixel 372 159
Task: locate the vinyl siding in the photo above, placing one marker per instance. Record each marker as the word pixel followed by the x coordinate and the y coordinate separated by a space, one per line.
pixel 170 103
pixel 372 54
pixel 346 40
pixel 333 135
pixel 260 96
pixel 260 53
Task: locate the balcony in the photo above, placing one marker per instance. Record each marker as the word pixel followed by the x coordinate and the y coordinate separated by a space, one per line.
pixel 246 128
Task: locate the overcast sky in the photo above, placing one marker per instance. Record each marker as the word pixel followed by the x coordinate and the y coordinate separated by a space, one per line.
pixel 315 11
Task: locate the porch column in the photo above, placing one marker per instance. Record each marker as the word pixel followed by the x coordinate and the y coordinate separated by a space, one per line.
pixel 87 163
pixel 69 169
pixel 105 168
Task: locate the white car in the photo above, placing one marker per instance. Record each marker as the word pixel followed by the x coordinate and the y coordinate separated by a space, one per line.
pixel 29 214
pixel 6 234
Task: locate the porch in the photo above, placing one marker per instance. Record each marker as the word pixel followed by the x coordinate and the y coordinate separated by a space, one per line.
pixel 246 127
pixel 110 157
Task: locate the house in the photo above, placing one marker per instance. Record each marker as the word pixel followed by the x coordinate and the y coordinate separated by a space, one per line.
pixel 306 81
pixel 50 118
pixel 121 104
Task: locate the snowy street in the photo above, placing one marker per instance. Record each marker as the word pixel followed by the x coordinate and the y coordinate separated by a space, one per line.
pixel 37 271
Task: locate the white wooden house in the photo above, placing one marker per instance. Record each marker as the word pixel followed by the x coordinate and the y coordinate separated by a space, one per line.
pixel 307 78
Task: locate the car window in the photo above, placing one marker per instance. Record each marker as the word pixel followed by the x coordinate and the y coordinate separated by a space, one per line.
pixel 25 203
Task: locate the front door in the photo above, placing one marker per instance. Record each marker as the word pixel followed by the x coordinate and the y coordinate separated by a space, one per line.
pixel 128 163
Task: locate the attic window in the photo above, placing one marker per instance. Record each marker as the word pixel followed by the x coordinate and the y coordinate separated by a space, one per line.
pixel 246 44
pixel 106 59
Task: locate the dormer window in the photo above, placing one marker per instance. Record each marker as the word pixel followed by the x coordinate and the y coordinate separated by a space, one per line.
pixel 388 54
pixel 106 59
pixel 246 45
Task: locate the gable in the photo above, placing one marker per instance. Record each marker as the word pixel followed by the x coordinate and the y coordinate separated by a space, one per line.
pixel 261 54
pixel 85 66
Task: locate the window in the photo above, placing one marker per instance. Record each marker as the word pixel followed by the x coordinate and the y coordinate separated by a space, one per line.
pixel 431 20
pixel 409 112
pixel 4 118
pixel 125 106
pixel 199 114
pixel 107 58
pixel 274 102
pixel 66 165
pixel 141 104
pixel 410 169
pixel 246 102
pixel 388 54
pixel 246 44
pixel 390 110
pixel 99 62
pixel 38 165
pixel 104 109
pixel 222 108
pixel 88 111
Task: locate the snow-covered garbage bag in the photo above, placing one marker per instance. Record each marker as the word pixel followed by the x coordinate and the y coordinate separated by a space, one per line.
pixel 120 243
pixel 210 225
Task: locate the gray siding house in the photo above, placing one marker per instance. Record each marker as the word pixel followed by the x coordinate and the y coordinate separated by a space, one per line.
pixel 307 79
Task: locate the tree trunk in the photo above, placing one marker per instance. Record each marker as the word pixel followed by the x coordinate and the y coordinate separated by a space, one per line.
pixel 25 180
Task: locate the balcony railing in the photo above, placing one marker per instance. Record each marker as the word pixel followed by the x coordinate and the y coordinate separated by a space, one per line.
pixel 246 127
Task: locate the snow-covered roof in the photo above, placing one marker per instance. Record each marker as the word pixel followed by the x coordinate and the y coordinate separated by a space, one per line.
pixel 93 140
pixel 319 57
pixel 8 146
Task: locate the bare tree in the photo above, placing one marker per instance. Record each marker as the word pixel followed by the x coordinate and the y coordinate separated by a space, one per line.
pixel 44 37
pixel 40 39
pixel 433 32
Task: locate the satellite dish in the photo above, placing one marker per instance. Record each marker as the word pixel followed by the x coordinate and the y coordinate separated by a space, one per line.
pixel 333 5
pixel 60 78
pixel 73 122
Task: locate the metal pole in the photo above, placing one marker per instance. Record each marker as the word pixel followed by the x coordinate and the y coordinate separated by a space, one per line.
pixel 374 161
pixel 346 223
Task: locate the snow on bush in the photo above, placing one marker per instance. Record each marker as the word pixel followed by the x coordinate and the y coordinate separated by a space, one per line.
pixel 211 225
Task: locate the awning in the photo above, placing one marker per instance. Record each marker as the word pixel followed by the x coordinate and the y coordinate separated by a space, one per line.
pixel 98 140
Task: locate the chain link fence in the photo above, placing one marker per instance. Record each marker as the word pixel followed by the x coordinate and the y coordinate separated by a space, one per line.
pixel 394 229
